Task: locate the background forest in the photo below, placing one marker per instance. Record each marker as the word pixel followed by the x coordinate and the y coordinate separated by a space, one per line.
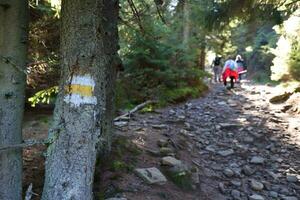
pixel 165 46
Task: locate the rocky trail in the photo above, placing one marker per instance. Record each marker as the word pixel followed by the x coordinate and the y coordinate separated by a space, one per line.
pixel 226 145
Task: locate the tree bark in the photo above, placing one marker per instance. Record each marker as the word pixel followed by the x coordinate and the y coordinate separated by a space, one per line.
pixel 13 49
pixel 202 56
pixel 83 112
pixel 186 24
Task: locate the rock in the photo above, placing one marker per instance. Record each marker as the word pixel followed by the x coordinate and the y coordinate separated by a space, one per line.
pixel 170 161
pixel 116 198
pixel 256 197
pixel 159 126
pixel 179 169
pixel 181 117
pixel 165 151
pixel 232 103
pixel 292 178
pixel 210 148
pixel 289 198
pixel 284 190
pixel 256 185
pixel 248 139
pixel 225 153
pixel 120 123
pixel 195 176
pixel 273 194
pixel 257 160
pixel 151 175
pixel 162 143
pixel 229 125
pixel 222 103
pixel 236 194
pixel 188 126
pixel 228 172
pixel 273 175
pixel 172 112
pixel 237 171
pixel 236 183
pixel 222 188
pixel 247 170
pixel 153 152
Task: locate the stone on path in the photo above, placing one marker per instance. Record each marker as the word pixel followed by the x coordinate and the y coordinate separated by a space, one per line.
pixel 273 194
pixel 120 123
pixel 292 178
pixel 170 161
pixel 222 188
pixel 256 185
pixel 116 198
pixel 210 148
pixel 256 197
pixel 257 160
pixel 160 126
pixel 289 198
pixel 228 172
pixel 162 143
pixel 236 194
pixel 229 125
pixel 236 183
pixel 166 151
pixel 247 170
pixel 151 175
pixel 248 139
pixel 225 153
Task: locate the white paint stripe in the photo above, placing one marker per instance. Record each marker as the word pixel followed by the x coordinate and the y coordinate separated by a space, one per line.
pixel 83 80
pixel 76 100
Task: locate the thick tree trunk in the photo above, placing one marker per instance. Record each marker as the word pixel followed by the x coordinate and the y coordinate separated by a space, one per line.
pixel 83 112
pixel 13 51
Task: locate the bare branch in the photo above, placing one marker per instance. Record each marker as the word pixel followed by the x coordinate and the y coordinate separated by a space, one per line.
pixel 135 109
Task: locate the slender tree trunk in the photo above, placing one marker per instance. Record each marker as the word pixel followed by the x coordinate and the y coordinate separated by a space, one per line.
pixel 202 55
pixel 13 51
pixel 186 24
pixel 83 112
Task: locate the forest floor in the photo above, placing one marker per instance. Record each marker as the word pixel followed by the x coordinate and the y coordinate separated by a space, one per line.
pixel 228 145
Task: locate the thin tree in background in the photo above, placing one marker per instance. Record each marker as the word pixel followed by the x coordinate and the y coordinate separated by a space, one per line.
pixel 83 113
pixel 13 56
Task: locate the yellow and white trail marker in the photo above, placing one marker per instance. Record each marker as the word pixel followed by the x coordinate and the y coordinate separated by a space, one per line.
pixel 80 91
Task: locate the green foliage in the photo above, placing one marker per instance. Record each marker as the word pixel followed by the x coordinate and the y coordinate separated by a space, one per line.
pixel 156 66
pixel 294 61
pixel 44 96
pixel 120 166
pixel 182 179
pixel 286 64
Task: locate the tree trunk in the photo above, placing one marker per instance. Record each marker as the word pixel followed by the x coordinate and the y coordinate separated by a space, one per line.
pixel 83 112
pixel 186 24
pixel 13 55
pixel 202 56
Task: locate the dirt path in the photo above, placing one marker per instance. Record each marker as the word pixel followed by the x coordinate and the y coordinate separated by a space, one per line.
pixel 232 145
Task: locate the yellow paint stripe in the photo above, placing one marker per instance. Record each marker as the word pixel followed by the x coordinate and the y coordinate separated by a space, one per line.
pixel 83 90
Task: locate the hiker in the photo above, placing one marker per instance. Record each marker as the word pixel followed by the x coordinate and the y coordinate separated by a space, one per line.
pixel 216 65
pixel 240 66
pixel 230 71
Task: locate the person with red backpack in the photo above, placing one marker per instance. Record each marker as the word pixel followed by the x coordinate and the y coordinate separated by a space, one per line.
pixel 230 71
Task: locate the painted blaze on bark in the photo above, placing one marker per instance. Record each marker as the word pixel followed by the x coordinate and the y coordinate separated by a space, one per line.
pixel 13 49
pixel 83 112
